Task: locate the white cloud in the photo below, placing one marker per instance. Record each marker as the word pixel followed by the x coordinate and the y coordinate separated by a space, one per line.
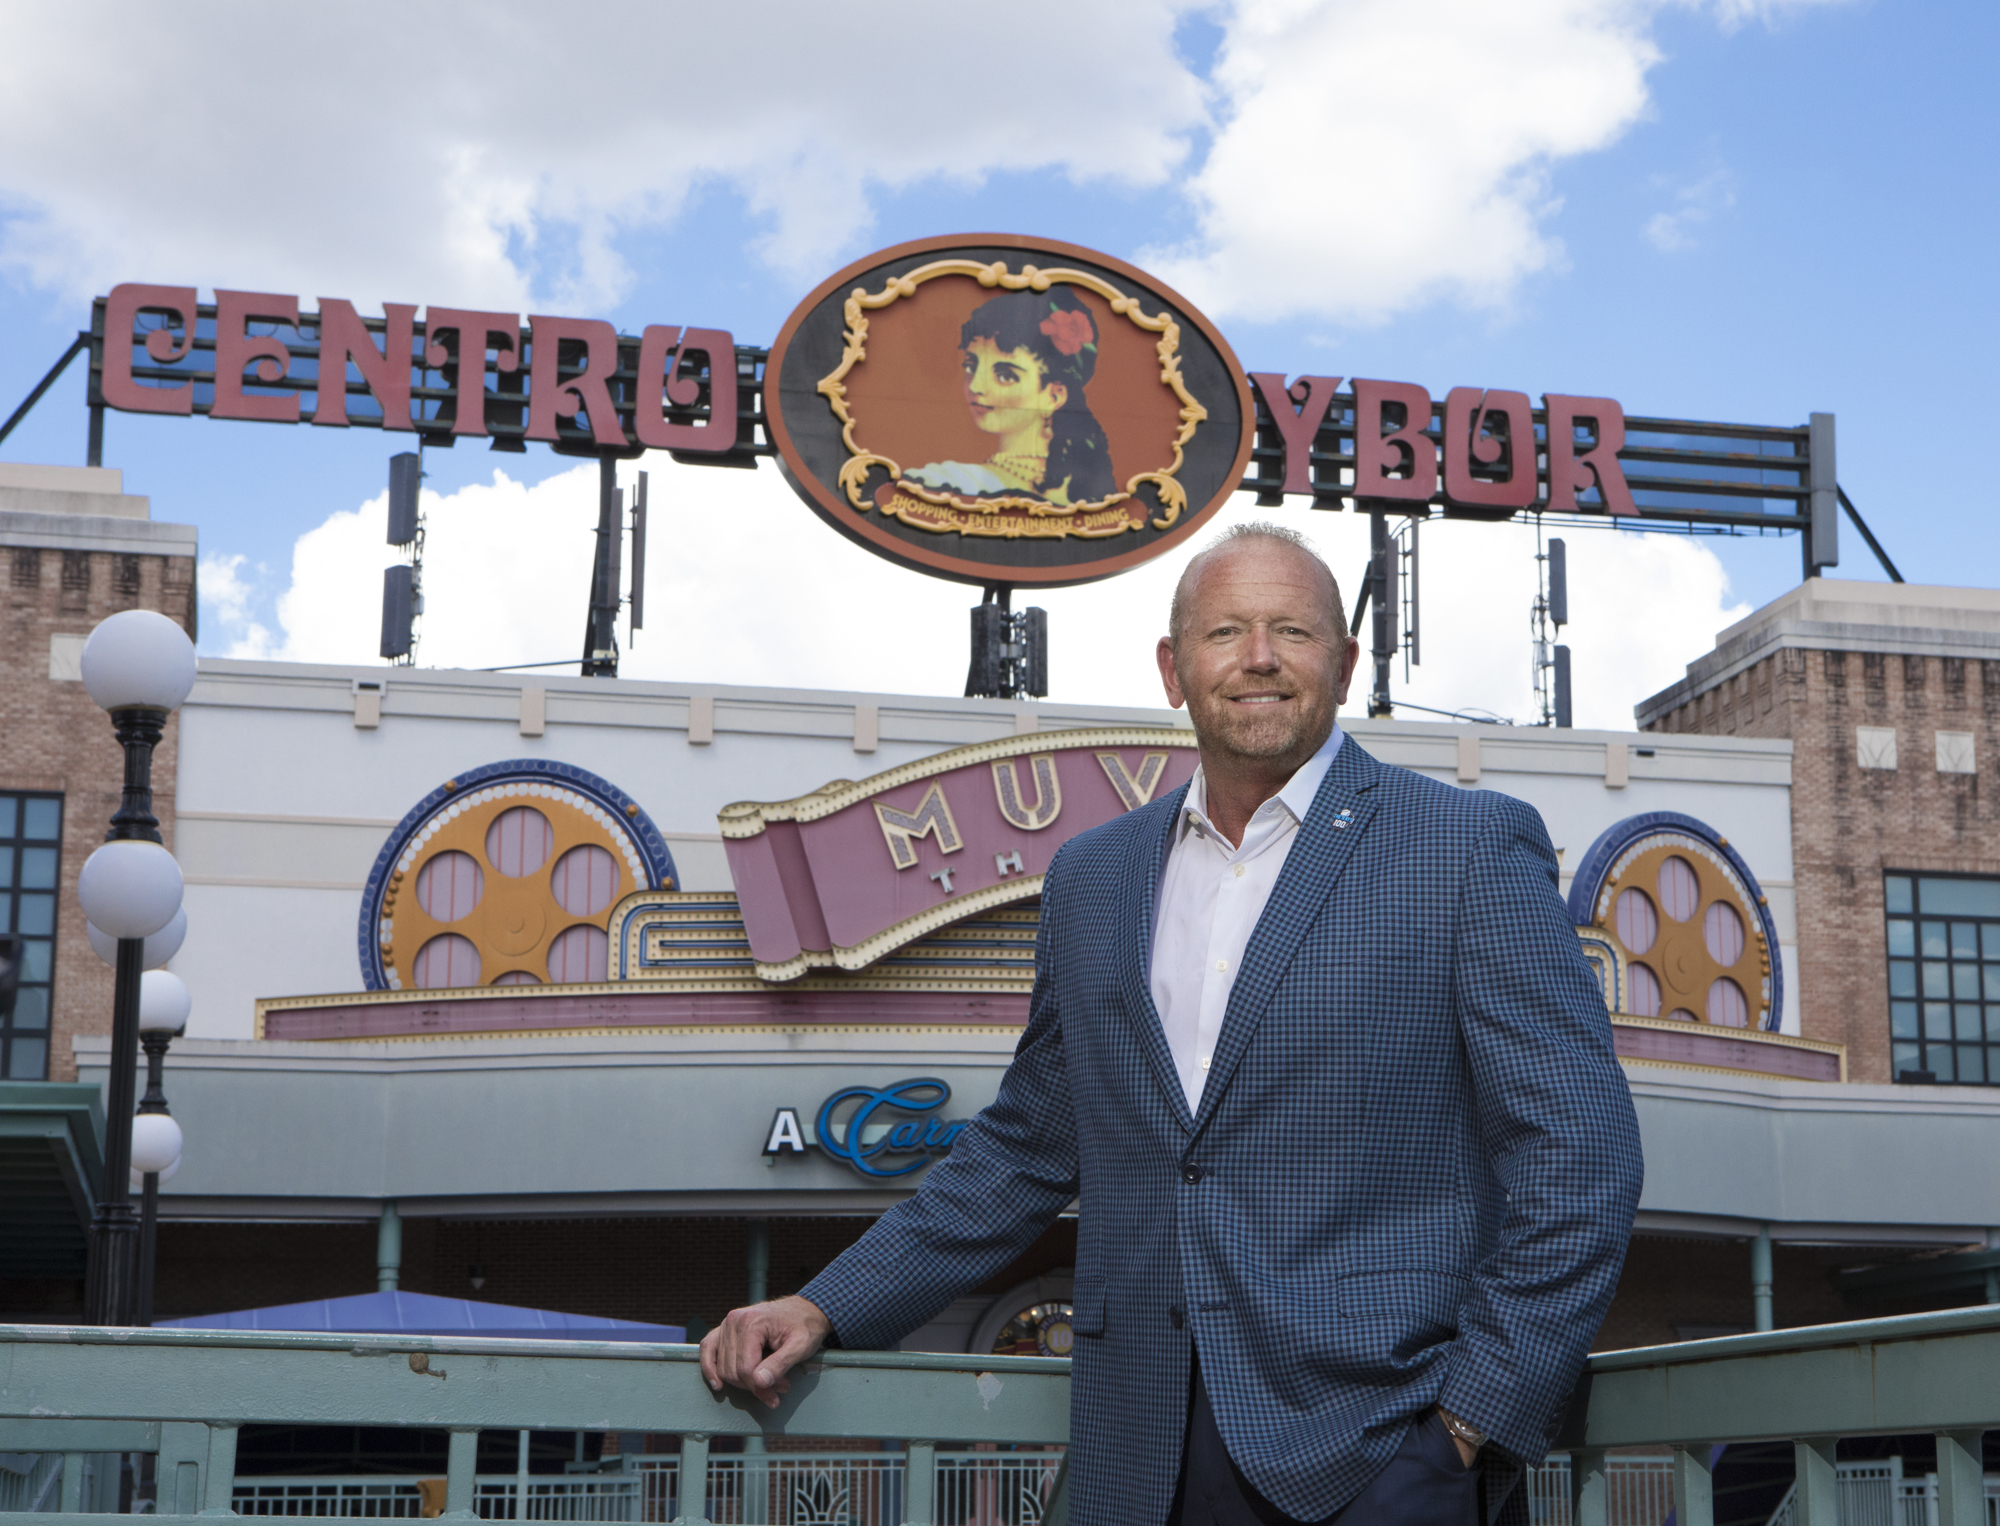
pixel 1694 204
pixel 1376 155
pixel 494 154
pixel 1368 155
pixel 228 598
pixel 745 586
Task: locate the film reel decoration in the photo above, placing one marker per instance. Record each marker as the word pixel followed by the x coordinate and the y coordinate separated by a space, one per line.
pixel 1690 928
pixel 507 875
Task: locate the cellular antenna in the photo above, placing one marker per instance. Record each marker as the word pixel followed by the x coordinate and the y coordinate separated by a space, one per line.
pixel 1551 613
pixel 636 604
pixel 1010 652
pixel 402 584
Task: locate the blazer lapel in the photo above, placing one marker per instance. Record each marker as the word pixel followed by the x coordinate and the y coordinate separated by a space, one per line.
pixel 1142 898
pixel 1340 813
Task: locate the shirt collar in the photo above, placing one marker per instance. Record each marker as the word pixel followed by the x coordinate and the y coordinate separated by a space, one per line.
pixel 1296 797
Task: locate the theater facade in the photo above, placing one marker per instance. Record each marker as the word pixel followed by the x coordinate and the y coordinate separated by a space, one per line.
pixel 634 999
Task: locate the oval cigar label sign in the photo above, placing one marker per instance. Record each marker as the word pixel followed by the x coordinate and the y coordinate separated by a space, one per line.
pixel 1004 410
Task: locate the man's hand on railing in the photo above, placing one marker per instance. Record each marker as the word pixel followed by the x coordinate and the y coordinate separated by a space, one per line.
pixel 754 1348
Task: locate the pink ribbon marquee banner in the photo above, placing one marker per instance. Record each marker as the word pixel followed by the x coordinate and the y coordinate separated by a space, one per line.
pixel 850 873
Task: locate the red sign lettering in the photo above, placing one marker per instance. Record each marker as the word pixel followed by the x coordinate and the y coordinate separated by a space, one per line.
pixel 1483 428
pixel 663 352
pixel 1297 426
pixel 551 395
pixel 236 349
pixel 472 330
pixel 1572 471
pixel 121 315
pixel 1380 453
pixel 343 337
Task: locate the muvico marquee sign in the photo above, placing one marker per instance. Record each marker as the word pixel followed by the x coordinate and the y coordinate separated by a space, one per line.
pixel 988 408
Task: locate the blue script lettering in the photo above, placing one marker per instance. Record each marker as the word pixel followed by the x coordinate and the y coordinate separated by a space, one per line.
pixel 918 1135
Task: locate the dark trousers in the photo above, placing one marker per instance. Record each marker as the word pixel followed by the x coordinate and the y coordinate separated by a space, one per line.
pixel 1425 1484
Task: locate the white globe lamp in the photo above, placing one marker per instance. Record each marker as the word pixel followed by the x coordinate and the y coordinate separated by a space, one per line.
pixel 156 1142
pixel 139 1177
pixel 164 1002
pixel 130 888
pixel 160 947
pixel 138 660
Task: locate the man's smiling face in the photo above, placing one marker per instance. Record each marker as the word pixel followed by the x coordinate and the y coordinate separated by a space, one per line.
pixel 1261 657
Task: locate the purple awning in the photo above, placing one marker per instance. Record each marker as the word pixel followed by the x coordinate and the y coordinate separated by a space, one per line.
pixel 400 1313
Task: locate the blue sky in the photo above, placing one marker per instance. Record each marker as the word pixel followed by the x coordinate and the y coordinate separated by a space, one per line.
pixel 1740 212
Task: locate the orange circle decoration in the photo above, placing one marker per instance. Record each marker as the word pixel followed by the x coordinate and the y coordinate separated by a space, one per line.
pixel 1003 410
pixel 1709 955
pixel 506 875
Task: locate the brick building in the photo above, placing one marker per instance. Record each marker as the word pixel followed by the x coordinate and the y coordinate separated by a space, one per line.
pixel 78 548
pixel 1890 696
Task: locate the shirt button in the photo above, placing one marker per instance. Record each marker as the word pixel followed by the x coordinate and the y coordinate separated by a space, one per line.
pixel 1204 1063
pixel 1239 871
pixel 1222 966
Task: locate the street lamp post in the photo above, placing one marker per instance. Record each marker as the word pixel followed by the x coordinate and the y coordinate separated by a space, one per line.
pixel 164 1004
pixel 139 666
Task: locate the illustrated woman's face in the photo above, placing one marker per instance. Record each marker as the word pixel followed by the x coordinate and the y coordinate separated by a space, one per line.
pixel 1005 390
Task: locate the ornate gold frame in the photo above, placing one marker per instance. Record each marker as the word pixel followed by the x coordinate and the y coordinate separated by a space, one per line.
pixel 984 516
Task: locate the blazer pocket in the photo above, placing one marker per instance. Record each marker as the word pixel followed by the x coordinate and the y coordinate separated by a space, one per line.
pixel 1421 1297
pixel 1087 1309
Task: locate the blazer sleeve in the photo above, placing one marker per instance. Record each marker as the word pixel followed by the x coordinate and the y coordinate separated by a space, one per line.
pixel 1008 1176
pixel 1554 1117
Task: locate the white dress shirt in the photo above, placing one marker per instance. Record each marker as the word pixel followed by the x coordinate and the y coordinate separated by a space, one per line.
pixel 1211 896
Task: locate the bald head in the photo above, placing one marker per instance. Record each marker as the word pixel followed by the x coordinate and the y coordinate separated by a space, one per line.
pixel 1261 535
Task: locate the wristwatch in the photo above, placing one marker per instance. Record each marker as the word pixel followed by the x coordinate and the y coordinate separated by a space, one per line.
pixel 1471 1435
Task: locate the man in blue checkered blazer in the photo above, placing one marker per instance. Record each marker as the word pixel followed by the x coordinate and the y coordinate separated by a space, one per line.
pixel 1314 1050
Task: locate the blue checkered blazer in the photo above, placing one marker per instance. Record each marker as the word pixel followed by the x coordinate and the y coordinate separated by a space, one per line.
pixel 1411 1179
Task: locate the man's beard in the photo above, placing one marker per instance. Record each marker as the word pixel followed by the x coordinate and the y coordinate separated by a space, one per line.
pixel 1241 732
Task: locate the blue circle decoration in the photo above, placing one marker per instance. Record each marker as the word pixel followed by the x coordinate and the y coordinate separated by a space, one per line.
pixel 1595 866
pixel 601 792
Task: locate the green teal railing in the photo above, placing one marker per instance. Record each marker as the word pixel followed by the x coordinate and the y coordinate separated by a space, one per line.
pixel 182 1395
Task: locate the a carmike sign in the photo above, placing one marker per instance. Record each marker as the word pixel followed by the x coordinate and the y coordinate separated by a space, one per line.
pixel 880 1132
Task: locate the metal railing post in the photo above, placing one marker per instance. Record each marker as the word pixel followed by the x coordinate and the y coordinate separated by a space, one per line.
pixel 521 1476
pixel 1817 1490
pixel 72 1484
pixel 1056 1511
pixel 219 1477
pixel 1760 1277
pixel 919 1483
pixel 1694 1487
pixel 461 1482
pixel 693 1480
pixel 1589 1488
pixel 1961 1478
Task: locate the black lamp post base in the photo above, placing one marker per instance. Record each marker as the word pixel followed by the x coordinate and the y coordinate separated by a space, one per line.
pixel 110 1286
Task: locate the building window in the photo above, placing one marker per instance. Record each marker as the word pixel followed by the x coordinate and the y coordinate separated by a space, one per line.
pixel 30 867
pixel 1944 977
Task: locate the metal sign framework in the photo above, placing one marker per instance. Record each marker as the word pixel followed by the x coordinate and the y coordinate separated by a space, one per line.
pixel 259 357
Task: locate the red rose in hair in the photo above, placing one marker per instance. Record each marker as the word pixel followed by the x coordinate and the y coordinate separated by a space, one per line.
pixel 1068 330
